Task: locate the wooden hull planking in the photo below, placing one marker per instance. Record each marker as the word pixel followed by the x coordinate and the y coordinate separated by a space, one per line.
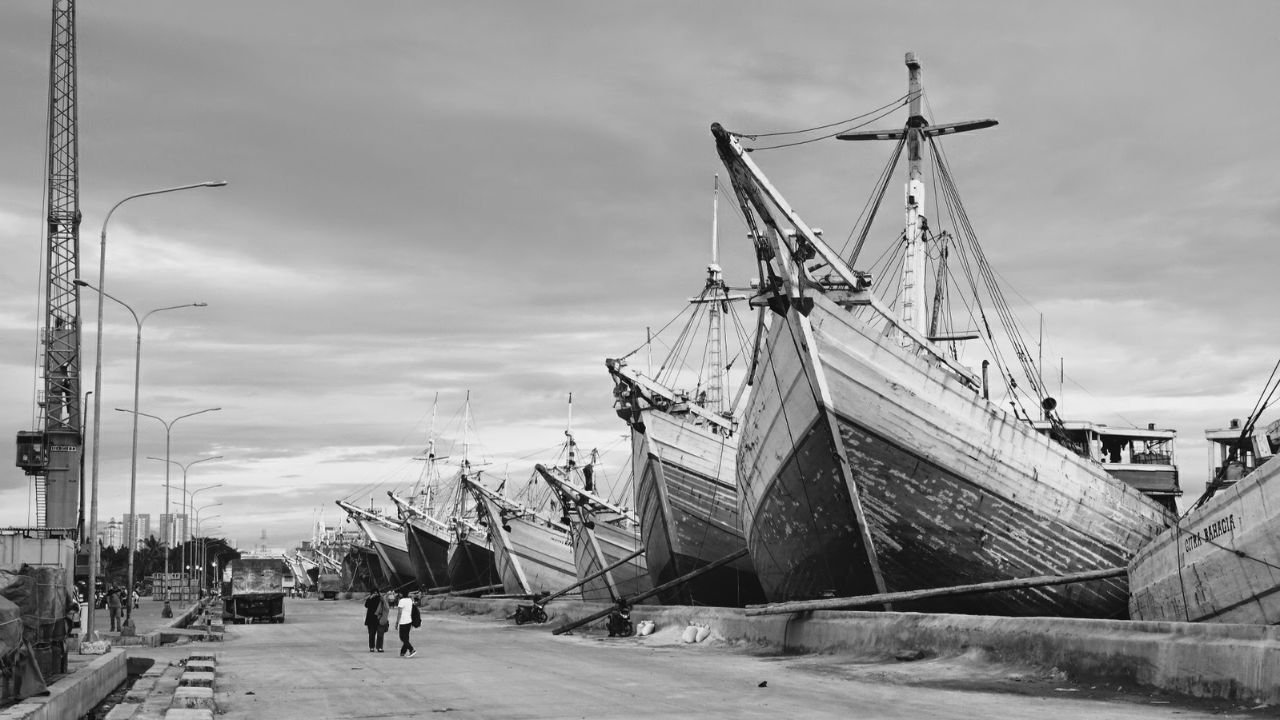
pixel 852 439
pixel 1220 563
pixel 392 553
pixel 428 552
pixel 531 558
pixel 471 565
pixel 596 548
pixel 687 500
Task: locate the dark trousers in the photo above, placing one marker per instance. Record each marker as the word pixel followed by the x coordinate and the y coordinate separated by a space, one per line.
pixel 406 647
pixel 375 637
pixel 115 618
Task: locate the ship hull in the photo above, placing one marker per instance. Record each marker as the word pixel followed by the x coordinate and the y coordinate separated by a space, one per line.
pixel 596 548
pixel 1219 563
pixel 393 554
pixel 530 557
pixel 867 467
pixel 362 571
pixel 471 565
pixel 687 500
pixel 428 552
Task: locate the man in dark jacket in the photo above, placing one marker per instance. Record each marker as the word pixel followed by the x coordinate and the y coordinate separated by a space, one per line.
pixel 375 619
pixel 113 607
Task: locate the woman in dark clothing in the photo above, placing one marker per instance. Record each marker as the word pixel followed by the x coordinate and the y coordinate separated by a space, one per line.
pixel 375 618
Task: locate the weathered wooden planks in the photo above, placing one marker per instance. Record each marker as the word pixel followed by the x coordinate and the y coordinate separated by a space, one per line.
pixel 949 488
pixel 1220 563
pixel 687 500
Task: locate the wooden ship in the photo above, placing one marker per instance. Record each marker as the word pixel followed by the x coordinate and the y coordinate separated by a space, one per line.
pixel 607 551
pixel 386 539
pixel 1221 561
pixel 684 445
pixel 530 550
pixel 872 461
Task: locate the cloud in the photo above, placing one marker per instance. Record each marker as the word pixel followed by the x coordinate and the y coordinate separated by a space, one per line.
pixel 436 198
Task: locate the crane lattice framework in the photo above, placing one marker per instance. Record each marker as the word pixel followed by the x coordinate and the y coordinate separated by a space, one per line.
pixel 52 452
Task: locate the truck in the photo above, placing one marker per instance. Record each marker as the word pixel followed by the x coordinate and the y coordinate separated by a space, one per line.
pixel 329 584
pixel 257 591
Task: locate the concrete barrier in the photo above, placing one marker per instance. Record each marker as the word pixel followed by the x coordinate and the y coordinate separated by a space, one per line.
pixel 73 695
pixel 1234 662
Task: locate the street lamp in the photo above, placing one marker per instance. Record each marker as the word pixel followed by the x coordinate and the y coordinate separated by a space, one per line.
pixel 203 540
pixel 168 426
pixel 133 469
pixel 97 379
pixel 204 553
pixel 186 519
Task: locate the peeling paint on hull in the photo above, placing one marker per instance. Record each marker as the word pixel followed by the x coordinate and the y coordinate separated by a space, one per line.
pixel 688 506
pixel 846 427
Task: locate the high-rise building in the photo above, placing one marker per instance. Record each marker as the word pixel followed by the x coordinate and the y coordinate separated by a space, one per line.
pixel 173 529
pixel 111 533
pixel 141 528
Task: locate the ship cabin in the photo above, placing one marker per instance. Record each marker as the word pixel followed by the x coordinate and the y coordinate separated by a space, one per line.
pixel 1234 455
pixel 1141 457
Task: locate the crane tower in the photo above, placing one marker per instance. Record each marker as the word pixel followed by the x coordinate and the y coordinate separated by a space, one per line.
pixel 52 451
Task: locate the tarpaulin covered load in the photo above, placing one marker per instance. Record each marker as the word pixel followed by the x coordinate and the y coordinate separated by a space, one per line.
pixel 20 675
pixel 40 593
pixel 10 627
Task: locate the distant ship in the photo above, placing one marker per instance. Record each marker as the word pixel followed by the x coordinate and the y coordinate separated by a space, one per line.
pixel 605 536
pixel 684 446
pixel 870 460
pixel 531 549
pixel 386 538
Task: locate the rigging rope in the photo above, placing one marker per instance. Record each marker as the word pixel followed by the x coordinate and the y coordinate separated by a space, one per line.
pixel 899 102
pixel 828 136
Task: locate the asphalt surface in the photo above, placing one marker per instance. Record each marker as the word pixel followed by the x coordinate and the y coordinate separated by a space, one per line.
pixel 316 666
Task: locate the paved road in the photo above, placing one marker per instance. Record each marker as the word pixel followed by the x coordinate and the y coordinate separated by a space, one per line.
pixel 316 666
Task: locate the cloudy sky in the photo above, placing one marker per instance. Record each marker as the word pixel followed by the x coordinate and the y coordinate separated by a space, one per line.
pixel 432 197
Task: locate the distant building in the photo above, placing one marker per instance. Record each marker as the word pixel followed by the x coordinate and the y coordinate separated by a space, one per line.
pixel 141 529
pixel 111 533
pixel 173 529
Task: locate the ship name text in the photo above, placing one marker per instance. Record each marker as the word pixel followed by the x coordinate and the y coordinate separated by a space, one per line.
pixel 1210 532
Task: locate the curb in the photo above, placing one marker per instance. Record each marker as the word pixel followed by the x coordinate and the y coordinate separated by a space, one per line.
pixel 1205 660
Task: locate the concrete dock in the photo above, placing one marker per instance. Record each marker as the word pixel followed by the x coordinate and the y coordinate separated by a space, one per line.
pixel 474 662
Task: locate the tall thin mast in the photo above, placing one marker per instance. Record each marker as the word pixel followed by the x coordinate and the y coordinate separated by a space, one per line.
pixel 912 282
pixel 715 328
pixel 911 287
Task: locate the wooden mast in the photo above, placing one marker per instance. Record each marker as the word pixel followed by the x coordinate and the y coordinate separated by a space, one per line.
pixel 911 283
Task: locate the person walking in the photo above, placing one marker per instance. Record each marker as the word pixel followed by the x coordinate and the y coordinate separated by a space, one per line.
pixel 375 618
pixel 408 609
pixel 113 608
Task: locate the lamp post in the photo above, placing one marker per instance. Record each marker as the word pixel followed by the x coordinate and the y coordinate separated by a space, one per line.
pixel 198 530
pixel 168 426
pixel 204 554
pixel 185 505
pixel 133 468
pixel 97 380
